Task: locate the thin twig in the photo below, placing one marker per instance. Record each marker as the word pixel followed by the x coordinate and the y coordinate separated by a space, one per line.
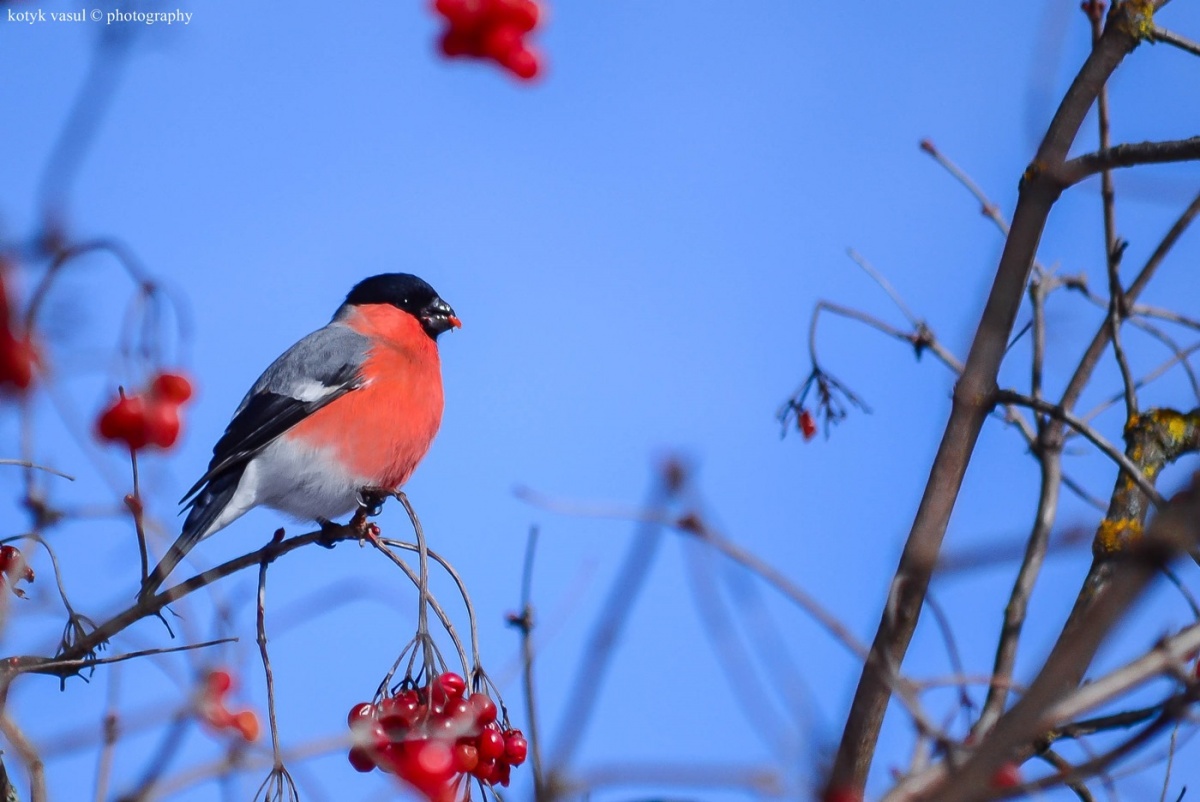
pixel 29 756
pixel 1112 247
pixel 886 285
pixel 1089 433
pixel 1018 601
pixel 527 654
pixel 261 627
pixel 23 463
pixel 1127 155
pixel 110 731
pixel 1175 40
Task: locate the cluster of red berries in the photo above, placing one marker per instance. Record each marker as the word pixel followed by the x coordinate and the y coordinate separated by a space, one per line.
pixel 494 29
pixel 432 737
pixel 210 705
pixel 13 569
pixel 17 353
pixel 153 418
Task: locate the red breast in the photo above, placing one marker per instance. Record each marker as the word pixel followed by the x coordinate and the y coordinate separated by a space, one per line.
pixel 383 429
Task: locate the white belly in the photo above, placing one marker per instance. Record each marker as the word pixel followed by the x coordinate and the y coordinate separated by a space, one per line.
pixel 302 481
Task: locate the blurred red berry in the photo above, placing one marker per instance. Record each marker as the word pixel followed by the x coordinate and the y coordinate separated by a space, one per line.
pixel 171 387
pixel 17 360
pixel 808 426
pixel 218 682
pixel 162 422
pixel 841 795
pixel 493 29
pixel 457 12
pixel 1007 776
pixel 360 759
pixel 525 14
pixel 456 43
pixel 246 722
pixel 10 558
pixel 13 569
pixel 125 421
pixel 466 757
pixel 523 63
pixel 428 766
pixel 501 40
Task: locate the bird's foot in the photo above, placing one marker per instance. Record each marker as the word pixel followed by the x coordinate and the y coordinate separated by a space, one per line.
pixel 331 533
pixel 370 501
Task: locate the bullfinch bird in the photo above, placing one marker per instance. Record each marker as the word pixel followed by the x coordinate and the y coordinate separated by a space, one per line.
pixel 352 406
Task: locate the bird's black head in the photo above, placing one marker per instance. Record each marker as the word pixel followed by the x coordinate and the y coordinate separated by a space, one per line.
pixel 410 294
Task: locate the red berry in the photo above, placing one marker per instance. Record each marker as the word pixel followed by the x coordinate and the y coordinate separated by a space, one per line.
pixel 17 360
pixel 218 682
pixel 457 43
pixel 125 421
pixel 490 743
pixel 500 774
pixel 452 685
pixel 10 559
pixel 523 63
pixel 445 728
pixel 360 759
pixel 841 795
pixel 524 14
pixel 457 12
pixel 428 765
pixel 1007 776
pixel 172 387
pixel 400 712
pixel 516 748
pixel 246 722
pixel 162 422
pixel 808 426
pixel 484 707
pixel 500 41
pixel 361 714
pixel 466 757
pixel 484 768
pixel 387 757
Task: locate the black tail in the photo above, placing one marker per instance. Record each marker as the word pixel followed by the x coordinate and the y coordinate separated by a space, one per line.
pixel 205 508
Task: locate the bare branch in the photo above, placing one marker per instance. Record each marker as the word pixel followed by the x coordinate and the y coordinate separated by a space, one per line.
pixel 1127 155
pixel 1175 40
pixel 972 400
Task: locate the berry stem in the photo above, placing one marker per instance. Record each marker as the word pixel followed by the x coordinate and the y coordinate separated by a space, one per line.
pixel 134 502
pixel 266 661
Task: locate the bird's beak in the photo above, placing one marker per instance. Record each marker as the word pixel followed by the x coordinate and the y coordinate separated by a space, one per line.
pixel 438 317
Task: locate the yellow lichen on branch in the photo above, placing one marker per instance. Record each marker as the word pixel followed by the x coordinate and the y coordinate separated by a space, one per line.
pixel 1139 19
pixel 1153 439
pixel 1117 535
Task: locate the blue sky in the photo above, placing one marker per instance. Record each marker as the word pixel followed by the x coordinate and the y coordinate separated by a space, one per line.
pixel 635 244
